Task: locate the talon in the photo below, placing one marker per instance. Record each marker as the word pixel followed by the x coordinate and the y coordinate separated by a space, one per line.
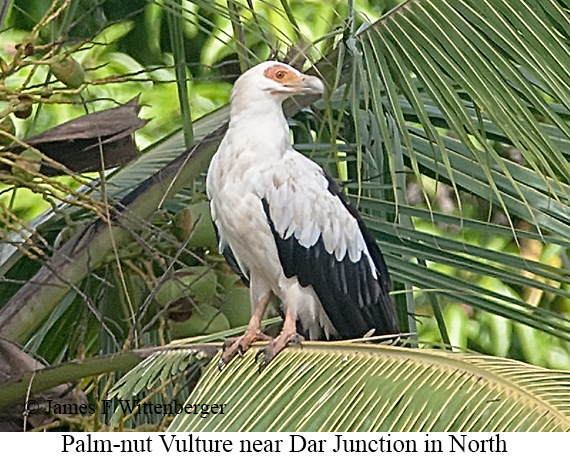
pixel 273 349
pixel 227 343
pixel 253 333
pixel 266 357
pixel 260 352
pixel 296 339
pixel 239 346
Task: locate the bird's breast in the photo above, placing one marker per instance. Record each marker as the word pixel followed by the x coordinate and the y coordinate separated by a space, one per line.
pixel 234 189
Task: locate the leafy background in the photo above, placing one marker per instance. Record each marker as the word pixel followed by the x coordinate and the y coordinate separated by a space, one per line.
pixel 445 120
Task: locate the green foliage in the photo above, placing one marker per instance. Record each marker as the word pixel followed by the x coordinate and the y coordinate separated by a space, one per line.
pixel 356 388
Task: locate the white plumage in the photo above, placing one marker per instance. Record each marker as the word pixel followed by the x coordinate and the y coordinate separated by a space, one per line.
pixel 286 227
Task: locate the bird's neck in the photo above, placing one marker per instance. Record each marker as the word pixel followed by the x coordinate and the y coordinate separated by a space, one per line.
pixel 260 126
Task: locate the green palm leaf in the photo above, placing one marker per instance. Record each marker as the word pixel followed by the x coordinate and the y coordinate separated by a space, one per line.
pixel 445 87
pixel 357 387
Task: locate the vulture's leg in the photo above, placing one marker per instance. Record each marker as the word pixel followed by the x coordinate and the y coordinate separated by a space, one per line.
pixel 253 333
pixel 288 335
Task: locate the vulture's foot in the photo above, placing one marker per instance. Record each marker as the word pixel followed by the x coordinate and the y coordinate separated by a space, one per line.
pixel 239 345
pixel 269 352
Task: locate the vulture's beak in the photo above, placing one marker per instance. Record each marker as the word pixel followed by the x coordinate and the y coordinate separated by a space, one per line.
pixel 305 84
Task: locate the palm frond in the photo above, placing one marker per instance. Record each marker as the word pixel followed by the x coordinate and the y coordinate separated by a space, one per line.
pixel 451 87
pixel 345 387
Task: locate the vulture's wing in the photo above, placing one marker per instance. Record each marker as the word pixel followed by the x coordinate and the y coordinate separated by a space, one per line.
pixel 230 257
pixel 234 265
pixel 322 241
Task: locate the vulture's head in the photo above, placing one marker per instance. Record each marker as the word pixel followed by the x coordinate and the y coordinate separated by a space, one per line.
pixel 275 80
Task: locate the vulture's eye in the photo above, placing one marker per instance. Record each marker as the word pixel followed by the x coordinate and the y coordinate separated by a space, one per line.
pixel 280 74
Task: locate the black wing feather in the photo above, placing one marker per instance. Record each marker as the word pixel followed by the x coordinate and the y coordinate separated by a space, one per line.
pixel 353 299
pixel 231 259
pixel 234 265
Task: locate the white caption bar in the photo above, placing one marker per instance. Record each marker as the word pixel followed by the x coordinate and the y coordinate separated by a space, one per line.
pixel 285 444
